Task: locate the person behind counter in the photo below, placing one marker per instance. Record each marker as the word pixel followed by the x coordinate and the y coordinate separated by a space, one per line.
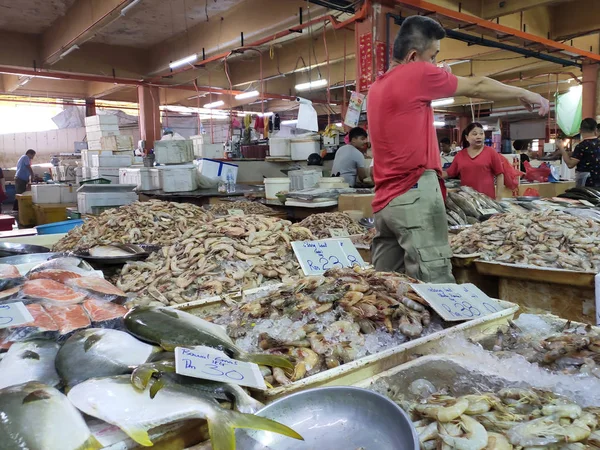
pixel 409 210
pixel 586 156
pixel 522 149
pixel 3 195
pixel 477 164
pixel 349 161
pixel 23 174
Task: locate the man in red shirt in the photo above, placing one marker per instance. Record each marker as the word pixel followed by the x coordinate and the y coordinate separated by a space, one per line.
pixel 410 216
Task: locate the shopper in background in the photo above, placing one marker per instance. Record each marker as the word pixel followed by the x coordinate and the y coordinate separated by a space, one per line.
pixel 522 148
pixel 586 156
pixel 478 165
pixel 24 174
pixel 349 162
pixel 446 147
pixel 410 215
pixel 3 195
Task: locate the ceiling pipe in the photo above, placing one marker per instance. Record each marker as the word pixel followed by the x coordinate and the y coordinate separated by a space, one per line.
pixel 348 9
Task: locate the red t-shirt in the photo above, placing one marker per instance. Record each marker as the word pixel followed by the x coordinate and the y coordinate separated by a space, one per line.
pixel 401 128
pixel 478 172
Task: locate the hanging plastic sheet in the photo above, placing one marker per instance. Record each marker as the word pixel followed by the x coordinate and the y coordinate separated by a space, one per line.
pixel 568 111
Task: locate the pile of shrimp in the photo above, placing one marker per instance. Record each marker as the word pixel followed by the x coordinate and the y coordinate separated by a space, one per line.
pixel 511 418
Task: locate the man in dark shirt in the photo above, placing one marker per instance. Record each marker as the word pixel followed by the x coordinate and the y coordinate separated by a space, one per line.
pixel 586 155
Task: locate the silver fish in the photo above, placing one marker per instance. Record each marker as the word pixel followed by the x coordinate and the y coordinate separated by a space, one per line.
pixel 116 401
pixel 71 263
pixel 29 361
pixel 38 417
pixel 467 206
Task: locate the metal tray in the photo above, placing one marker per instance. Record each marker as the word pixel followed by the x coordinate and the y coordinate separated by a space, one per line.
pixel 26 259
pixel 138 252
pixel 12 249
pixel 534 273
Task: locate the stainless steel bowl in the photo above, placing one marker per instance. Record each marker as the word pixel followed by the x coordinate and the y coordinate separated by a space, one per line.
pixel 334 418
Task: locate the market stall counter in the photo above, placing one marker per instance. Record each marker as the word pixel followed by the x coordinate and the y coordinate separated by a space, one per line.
pixel 200 196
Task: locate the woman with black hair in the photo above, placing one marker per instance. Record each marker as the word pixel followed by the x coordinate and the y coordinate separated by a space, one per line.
pixel 477 164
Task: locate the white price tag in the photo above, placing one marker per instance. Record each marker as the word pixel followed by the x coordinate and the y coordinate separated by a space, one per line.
pixel 211 364
pixel 316 257
pixel 455 302
pixel 14 314
pixel 485 212
pixel 339 232
pixel 235 212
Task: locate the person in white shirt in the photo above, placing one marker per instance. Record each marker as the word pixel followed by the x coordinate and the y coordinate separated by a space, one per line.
pixel 349 161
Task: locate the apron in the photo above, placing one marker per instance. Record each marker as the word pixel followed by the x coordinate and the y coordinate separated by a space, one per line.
pixel 565 173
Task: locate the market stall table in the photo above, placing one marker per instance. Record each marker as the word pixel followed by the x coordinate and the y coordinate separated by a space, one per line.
pixel 200 196
pixel 545 190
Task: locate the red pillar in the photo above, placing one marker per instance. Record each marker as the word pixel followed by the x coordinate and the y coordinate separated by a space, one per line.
pixel 589 95
pixel 149 120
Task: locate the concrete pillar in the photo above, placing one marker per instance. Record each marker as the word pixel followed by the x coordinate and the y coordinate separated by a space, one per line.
pixel 589 96
pixel 90 107
pixel 149 120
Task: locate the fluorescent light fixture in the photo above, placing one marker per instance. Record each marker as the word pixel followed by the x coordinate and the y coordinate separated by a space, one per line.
pixel 311 85
pixel 128 7
pixel 182 62
pixel 215 104
pixel 485 128
pixel 246 95
pixel 70 50
pixel 267 114
pixel 575 88
pixel 289 122
pixel 439 124
pixel 24 80
pixel 442 102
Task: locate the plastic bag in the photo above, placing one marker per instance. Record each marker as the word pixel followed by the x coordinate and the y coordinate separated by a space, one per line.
pixel 539 174
pixel 511 175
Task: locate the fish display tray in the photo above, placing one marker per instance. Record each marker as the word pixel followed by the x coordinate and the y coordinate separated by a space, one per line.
pixel 368 366
pixel 535 273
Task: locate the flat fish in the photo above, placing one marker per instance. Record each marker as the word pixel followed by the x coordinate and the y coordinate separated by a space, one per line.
pixel 29 361
pixel 117 402
pixel 98 352
pixel 60 275
pixel 52 292
pixel 104 314
pixel 42 327
pixel 39 417
pixel 69 318
pixel 97 286
pixel 108 251
pixel 9 271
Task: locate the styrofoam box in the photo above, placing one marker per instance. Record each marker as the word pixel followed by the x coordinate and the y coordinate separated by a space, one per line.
pixel 304 179
pixel 216 169
pixel 179 178
pixel 97 135
pixel 174 151
pixel 87 200
pixel 102 120
pixel 86 173
pixel 110 173
pixel 211 151
pixel 117 143
pixel 145 178
pixel 304 146
pixel 112 160
pixel 95 145
pixel 86 156
pixel 68 193
pixel 45 193
pixel 280 147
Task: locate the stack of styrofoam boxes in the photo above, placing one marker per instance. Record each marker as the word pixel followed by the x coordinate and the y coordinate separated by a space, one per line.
pixel 177 174
pixel 97 127
pixel 44 194
pixel 205 150
pixel 145 178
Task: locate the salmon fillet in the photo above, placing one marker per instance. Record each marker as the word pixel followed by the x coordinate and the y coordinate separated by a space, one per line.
pixel 96 285
pixel 59 275
pixel 102 311
pixel 9 271
pixel 43 326
pixel 52 292
pixel 69 318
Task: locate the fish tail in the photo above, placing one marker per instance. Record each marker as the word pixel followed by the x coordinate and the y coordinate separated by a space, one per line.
pixel 91 444
pixel 140 377
pixel 139 435
pixel 221 428
pixel 263 359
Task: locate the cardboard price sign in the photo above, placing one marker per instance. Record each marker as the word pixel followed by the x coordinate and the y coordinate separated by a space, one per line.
pixel 316 257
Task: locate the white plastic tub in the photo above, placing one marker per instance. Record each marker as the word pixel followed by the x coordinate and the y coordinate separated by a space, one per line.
pixel 174 152
pixel 280 147
pixel 182 178
pixel 304 146
pixel 333 183
pixel 275 185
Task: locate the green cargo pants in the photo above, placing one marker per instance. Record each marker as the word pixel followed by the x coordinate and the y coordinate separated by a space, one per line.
pixel 412 234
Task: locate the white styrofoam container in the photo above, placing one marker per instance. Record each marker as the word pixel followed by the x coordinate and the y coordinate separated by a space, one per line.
pixel 45 193
pixel 304 179
pixel 98 135
pixel 179 178
pixel 216 169
pixel 280 147
pixel 68 193
pixel 174 151
pixel 117 143
pixel 145 178
pixel 138 160
pixel 112 161
pixel 87 200
pixel 110 173
pixel 95 145
pixel 303 147
pixel 211 151
pixel 86 156
pixel 275 185
pixel 86 173
pixel 101 120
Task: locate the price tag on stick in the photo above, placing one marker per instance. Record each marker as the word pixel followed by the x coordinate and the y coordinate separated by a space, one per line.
pixel 316 257
pixel 14 314
pixel 455 302
pixel 211 364
pixel 235 212
pixel 339 232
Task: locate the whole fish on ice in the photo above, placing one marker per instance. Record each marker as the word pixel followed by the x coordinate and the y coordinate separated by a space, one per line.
pixel 108 251
pixel 70 263
pixel 29 361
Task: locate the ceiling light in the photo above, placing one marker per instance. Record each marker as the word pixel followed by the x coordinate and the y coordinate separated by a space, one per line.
pixel 71 49
pixel 289 122
pixel 485 128
pixel 311 85
pixel 215 104
pixel 246 95
pixel 267 114
pixel 24 80
pixel 128 7
pixel 442 102
pixel 439 124
pixel 182 62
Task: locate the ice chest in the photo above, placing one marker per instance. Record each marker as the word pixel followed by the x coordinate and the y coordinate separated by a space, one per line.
pixel 145 178
pixel 180 178
pixel 174 152
pixel 45 193
pixel 216 169
pixel 68 193
pixel 110 173
pixel 115 161
pixel 94 195
pixel 87 155
pixel 103 119
pixel 117 143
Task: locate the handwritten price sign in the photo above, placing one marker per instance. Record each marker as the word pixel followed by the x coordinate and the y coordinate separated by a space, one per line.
pixel 14 314
pixel 210 364
pixel 316 257
pixel 454 302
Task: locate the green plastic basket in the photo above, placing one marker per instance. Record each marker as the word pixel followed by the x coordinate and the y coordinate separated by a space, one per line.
pixel 95 181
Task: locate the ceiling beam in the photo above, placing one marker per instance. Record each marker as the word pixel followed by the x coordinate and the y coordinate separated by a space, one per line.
pixel 498 8
pixel 568 22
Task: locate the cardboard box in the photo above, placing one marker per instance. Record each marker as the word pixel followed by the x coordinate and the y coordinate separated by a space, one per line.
pixel 362 202
pixel 117 143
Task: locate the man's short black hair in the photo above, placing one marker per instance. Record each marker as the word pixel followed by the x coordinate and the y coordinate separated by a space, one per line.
pixel 30 152
pixel 416 33
pixel 588 125
pixel 356 133
pixel 445 141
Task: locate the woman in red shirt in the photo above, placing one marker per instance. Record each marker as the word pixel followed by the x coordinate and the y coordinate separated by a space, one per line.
pixel 476 164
